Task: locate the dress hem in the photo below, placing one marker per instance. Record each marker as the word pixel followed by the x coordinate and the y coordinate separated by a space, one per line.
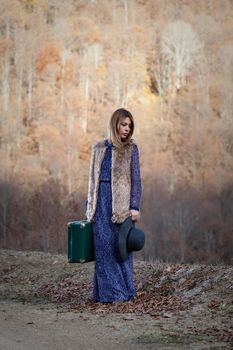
pixel 112 300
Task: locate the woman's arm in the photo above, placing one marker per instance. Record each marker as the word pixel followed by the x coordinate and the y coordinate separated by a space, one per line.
pixel 136 186
pixel 90 183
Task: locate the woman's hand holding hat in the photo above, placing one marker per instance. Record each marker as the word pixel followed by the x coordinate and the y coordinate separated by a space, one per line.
pixel 135 214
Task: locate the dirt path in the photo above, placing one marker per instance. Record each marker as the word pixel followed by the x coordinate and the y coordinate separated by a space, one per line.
pixel 27 327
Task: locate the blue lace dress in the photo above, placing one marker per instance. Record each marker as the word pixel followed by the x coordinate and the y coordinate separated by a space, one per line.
pixel 112 280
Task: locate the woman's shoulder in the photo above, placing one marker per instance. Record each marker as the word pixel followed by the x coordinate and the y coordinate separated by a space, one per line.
pixel 99 144
pixel 134 143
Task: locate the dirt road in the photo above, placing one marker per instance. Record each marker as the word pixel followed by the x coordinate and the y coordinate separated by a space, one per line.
pixel 27 327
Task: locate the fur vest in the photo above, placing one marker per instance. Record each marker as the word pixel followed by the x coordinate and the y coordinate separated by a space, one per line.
pixel 120 180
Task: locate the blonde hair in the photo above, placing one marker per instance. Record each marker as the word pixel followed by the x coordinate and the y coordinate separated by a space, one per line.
pixel 114 123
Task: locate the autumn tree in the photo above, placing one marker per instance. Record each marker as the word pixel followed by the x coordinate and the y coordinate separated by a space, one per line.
pixel 180 48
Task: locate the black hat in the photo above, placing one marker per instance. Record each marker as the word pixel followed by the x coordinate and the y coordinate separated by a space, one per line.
pixel 129 238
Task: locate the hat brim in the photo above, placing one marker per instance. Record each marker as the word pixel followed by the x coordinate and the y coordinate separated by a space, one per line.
pixel 125 228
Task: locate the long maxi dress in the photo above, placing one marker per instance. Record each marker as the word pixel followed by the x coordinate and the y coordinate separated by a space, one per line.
pixel 112 280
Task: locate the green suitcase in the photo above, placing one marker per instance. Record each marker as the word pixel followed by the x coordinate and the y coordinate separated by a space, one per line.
pixel 80 242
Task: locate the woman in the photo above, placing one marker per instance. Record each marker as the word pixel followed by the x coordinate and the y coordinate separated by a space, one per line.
pixel 114 193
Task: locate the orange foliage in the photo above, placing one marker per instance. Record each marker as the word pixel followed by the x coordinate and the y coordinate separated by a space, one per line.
pixel 5 44
pixel 68 71
pixel 48 55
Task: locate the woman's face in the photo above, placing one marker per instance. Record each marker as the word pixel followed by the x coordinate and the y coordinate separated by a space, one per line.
pixel 124 128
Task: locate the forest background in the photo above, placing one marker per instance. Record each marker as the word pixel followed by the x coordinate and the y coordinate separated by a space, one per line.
pixel 65 66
